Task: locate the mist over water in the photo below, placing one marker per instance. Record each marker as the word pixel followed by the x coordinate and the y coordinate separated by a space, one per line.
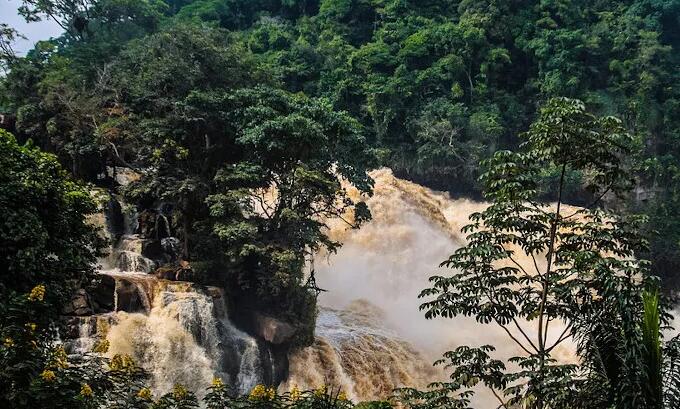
pixel 371 336
pixel 382 268
pixel 379 272
pixel 389 260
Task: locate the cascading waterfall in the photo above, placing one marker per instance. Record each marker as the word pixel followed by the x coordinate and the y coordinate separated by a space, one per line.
pixel 186 338
pixel 388 262
pixel 176 331
pixel 128 255
pixel 370 335
pixel 354 352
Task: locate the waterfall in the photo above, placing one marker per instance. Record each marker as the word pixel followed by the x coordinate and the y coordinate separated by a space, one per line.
pixel 354 352
pixel 177 331
pixel 388 262
pixel 186 338
pixel 370 335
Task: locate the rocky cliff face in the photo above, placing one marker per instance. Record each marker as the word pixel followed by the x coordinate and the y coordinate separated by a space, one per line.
pixel 179 331
pixel 183 332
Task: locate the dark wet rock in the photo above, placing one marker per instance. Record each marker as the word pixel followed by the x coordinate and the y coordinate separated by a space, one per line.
pixel 162 227
pixel 70 328
pixel 79 304
pixel 273 330
pixel 183 272
pixel 147 223
pixel 165 273
pixel 129 297
pixel 103 294
pixel 171 248
pixel 153 249
pixel 115 220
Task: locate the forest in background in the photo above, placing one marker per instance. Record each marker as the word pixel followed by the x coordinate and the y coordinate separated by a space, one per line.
pixel 211 103
pixel 435 86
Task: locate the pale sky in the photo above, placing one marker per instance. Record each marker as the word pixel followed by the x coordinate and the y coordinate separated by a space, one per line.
pixel 42 30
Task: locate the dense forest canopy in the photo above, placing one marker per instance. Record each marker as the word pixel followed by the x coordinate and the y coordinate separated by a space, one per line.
pixel 242 120
pixel 437 86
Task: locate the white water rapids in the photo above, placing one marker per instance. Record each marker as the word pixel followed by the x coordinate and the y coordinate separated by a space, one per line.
pixel 388 262
pixel 370 335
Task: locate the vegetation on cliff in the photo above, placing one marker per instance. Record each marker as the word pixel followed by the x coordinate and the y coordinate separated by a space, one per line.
pixel 48 251
pixel 240 116
pixel 438 85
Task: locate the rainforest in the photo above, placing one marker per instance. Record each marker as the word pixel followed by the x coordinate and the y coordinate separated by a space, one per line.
pixel 367 204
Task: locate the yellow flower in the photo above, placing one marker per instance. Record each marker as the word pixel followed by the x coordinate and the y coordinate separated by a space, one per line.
pixel 295 393
pixel 59 358
pixel 217 383
pixel 128 362
pixel 116 363
pixel 342 396
pixel 179 392
pixel 102 346
pixel 48 376
pixel 9 342
pixel 37 293
pixel 259 392
pixel 31 326
pixel 271 393
pixel 320 391
pixel 122 363
pixel 144 394
pixel 86 391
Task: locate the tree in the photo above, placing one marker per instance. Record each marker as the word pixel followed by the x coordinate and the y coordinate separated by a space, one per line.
pixel 269 208
pixel 81 19
pixel 8 36
pixel 44 237
pixel 170 116
pixel 217 147
pixel 530 267
pixel 48 250
pixel 71 15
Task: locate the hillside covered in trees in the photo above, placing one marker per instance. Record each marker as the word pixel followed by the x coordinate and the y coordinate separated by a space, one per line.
pixel 433 86
pixel 194 112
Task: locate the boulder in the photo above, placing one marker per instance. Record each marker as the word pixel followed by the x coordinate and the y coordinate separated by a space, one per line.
pixel 123 175
pixel 182 273
pixel 79 305
pixel 165 273
pixel 103 294
pixel 115 221
pixel 185 273
pixel 273 330
pixel 70 328
pixel 129 297
pixel 77 327
pixel 153 249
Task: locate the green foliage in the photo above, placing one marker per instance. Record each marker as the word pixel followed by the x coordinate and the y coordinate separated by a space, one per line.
pixel 38 373
pixel 216 123
pixel 651 339
pixel 48 251
pixel 8 36
pixel 252 171
pixel 527 263
pixel 267 398
pixel 268 216
pixel 438 85
pixel 44 237
pixel 671 372
pixel 179 398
